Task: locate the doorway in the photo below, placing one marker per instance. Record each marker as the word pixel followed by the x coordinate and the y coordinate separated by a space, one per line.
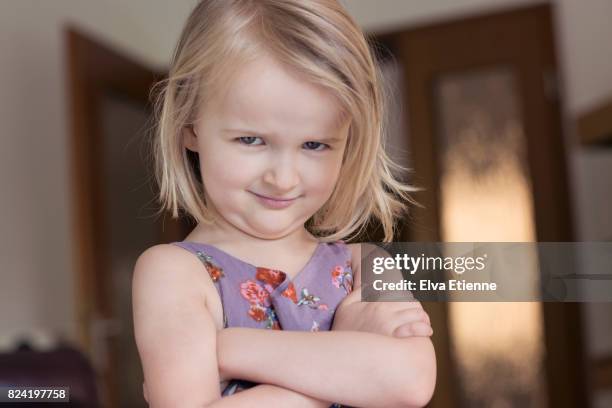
pixel 115 206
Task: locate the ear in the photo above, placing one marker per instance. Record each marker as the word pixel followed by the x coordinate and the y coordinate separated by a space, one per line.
pixel 190 138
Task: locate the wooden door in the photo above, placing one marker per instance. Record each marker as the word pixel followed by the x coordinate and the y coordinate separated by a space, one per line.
pixel 483 122
pixel 115 205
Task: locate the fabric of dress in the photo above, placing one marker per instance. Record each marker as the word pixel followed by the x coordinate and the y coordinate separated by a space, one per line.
pixel 259 297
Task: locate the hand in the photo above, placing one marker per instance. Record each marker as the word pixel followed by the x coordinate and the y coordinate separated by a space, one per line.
pixel 396 319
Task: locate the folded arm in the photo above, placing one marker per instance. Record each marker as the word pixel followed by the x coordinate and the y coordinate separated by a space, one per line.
pixel 353 368
pixel 176 338
pixel 357 368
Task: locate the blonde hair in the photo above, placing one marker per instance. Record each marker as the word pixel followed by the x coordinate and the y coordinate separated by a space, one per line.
pixel 318 39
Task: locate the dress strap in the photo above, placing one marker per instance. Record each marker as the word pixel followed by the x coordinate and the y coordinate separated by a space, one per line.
pixel 214 269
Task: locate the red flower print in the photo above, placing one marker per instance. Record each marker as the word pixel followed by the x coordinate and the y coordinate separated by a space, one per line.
pixel 215 273
pixel 290 293
pixel 213 269
pixel 337 276
pixel 272 277
pixel 254 293
pixel 343 277
pixel 257 312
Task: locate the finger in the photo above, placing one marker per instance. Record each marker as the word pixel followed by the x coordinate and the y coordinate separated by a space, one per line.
pixel 421 329
pixel 403 331
pixel 418 329
pixel 423 316
pixel 398 307
pixel 427 317
pixel 407 305
pixel 413 316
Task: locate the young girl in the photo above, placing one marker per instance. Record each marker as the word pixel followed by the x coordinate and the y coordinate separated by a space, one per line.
pixel 270 136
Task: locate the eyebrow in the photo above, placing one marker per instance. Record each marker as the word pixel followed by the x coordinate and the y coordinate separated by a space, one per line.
pixel 263 134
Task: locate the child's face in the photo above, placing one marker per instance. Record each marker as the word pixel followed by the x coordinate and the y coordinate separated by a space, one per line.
pixel 272 134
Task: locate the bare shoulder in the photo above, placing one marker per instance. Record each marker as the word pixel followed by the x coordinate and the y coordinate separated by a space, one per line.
pixel 170 267
pixel 164 255
pixel 164 260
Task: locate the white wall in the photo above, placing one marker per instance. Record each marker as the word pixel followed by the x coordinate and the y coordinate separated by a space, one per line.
pixel 585 56
pixel 386 15
pixel 35 237
pixel 36 289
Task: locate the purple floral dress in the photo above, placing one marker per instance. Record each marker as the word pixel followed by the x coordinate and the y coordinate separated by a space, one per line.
pixel 264 298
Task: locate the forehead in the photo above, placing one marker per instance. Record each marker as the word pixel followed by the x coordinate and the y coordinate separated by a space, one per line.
pixel 270 98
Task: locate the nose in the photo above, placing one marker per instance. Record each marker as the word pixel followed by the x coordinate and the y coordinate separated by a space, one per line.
pixel 282 174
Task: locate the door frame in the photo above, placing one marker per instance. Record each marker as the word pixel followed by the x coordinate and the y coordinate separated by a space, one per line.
pixel 93 70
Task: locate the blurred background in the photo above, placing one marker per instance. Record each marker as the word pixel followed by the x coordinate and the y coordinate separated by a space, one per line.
pixel 503 108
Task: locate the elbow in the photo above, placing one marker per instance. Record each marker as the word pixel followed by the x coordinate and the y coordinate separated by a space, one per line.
pixel 417 385
pixel 421 395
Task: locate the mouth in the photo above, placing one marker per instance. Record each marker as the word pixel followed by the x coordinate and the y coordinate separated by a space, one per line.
pixel 275 198
pixel 274 202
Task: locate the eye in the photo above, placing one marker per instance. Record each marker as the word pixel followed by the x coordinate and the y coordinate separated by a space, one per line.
pixel 250 140
pixel 316 146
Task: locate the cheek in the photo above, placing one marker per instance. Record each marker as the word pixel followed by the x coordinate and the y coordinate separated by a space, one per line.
pixel 322 176
pixel 217 169
pixel 220 175
pixel 224 171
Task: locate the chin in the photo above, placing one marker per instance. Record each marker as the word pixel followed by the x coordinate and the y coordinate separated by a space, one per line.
pixel 265 232
pixel 271 234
